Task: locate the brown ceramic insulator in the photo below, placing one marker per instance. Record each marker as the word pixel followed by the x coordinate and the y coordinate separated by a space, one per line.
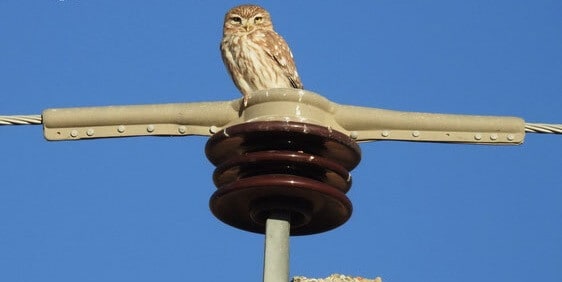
pixel 314 206
pixel 281 135
pixel 283 162
pixel 300 168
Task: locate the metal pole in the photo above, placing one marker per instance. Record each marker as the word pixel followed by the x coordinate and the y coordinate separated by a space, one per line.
pixel 276 258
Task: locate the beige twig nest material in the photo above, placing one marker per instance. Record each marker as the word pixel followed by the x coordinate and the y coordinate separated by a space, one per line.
pixel 335 278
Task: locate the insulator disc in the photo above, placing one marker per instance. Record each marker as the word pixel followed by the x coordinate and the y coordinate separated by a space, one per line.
pixel 283 162
pixel 287 136
pixel 315 207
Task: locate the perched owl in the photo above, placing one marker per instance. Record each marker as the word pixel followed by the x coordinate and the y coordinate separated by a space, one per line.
pixel 256 57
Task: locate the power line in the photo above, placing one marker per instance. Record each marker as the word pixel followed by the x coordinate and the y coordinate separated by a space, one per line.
pixel 21 120
pixel 543 128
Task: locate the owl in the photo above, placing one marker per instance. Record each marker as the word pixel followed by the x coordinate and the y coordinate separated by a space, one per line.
pixel 256 57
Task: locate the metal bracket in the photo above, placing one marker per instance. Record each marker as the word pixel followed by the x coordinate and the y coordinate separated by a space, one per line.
pixel 207 118
pixel 138 120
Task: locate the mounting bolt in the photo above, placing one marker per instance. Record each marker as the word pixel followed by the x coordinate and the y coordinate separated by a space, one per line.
pixel 121 129
pixel 416 133
pixel 478 136
pixel 90 132
pixel 182 129
pixel 213 129
pixel 493 136
pixel 74 133
pixel 150 128
pixel 510 137
pixel 353 134
pixel 385 133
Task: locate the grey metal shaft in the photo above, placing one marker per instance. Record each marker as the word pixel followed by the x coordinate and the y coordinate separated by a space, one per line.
pixel 276 257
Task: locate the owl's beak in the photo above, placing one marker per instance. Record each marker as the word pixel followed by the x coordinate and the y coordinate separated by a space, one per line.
pixel 248 26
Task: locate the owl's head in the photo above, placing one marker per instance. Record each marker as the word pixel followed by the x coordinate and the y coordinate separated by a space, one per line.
pixel 245 19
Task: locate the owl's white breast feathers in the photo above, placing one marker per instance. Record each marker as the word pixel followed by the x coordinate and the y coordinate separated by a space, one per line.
pixel 255 68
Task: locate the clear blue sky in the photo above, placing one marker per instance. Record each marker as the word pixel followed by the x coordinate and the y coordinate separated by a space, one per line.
pixel 136 209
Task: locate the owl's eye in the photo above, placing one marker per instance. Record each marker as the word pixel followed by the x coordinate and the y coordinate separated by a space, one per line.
pixel 236 20
pixel 258 20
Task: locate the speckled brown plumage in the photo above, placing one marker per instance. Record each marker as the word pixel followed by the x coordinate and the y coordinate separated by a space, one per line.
pixel 256 57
